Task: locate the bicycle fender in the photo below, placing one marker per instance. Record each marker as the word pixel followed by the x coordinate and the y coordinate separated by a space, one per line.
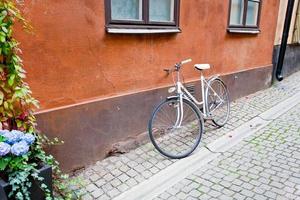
pixel 213 77
pixel 172 97
pixel 177 97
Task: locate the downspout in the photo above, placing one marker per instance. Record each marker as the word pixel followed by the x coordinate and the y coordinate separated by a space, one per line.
pixel 285 35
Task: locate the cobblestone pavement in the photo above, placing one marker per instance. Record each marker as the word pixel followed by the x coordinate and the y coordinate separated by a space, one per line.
pixel 264 166
pixel 117 174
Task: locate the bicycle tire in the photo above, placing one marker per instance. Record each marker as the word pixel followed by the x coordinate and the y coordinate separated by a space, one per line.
pixel 179 142
pixel 219 114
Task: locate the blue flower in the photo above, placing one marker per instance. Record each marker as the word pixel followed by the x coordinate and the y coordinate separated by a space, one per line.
pixel 20 148
pixel 2 132
pixel 28 138
pixel 10 138
pixel 18 134
pixel 4 148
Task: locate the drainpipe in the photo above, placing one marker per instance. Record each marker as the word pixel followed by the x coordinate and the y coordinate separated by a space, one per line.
pixel 285 35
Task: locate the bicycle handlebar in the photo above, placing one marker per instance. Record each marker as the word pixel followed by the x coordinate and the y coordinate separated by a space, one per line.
pixel 186 61
pixel 177 66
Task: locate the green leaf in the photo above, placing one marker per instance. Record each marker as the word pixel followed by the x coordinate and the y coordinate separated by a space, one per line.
pixel 1 97
pixel 17 163
pixel 19 123
pixel 4 162
pixel 4 29
pixel 2 38
pixel 11 79
pixel 30 130
pixel 5 105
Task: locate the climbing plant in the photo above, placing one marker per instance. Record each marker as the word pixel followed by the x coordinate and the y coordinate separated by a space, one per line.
pixel 17 112
pixel 16 102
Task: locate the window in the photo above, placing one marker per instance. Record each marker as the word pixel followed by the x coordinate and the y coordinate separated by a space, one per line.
pixel 244 16
pixel 142 16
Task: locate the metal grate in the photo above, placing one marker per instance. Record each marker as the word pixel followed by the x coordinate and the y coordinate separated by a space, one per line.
pixel 190 88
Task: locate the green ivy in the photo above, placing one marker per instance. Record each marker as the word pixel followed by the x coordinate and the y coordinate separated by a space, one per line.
pixel 16 112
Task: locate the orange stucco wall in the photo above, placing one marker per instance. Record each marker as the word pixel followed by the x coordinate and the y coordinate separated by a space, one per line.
pixel 71 59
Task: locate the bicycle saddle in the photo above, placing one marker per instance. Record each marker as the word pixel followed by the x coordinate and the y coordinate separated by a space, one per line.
pixel 202 66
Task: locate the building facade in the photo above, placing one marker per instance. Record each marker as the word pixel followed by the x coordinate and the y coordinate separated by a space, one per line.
pixel 97 66
pixel 292 55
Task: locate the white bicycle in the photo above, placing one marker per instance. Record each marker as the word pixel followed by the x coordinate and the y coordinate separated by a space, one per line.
pixel 177 123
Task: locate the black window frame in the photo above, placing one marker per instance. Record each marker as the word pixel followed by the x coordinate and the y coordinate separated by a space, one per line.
pixel 244 28
pixel 145 23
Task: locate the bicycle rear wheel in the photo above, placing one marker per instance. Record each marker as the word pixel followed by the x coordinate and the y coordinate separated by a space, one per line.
pixel 217 102
pixel 173 140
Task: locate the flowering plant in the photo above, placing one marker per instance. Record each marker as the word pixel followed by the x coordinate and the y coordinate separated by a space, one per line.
pixel 22 149
pixel 14 148
pixel 18 162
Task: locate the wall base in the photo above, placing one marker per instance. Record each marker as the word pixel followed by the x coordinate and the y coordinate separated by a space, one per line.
pixel 291 62
pixel 89 130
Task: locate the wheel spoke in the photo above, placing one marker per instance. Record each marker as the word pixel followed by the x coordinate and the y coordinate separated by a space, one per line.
pixel 218 104
pixel 171 141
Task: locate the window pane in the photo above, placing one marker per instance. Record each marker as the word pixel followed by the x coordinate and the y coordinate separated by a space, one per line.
pixel 237 10
pixel 126 9
pixel 161 10
pixel 252 13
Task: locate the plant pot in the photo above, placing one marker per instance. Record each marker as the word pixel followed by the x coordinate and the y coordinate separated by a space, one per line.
pixel 36 193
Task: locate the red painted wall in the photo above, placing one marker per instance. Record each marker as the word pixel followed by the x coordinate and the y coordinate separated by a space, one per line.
pixel 71 59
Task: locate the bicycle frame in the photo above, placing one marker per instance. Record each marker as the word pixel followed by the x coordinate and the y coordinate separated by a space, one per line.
pixel 182 92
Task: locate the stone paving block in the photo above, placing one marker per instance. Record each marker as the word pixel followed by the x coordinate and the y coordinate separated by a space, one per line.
pixel 260 197
pixel 116 172
pixel 87 197
pixel 131 173
pixel 224 197
pixel 217 187
pixel 270 194
pixel 164 195
pixel 116 182
pixel 91 187
pixel 106 187
pixel 123 178
pixel 191 198
pixel 187 189
pixel 204 189
pixel 239 196
pixel 214 193
pixel 125 168
pixel 97 193
pixel 113 193
pixel 94 177
pixel 276 184
pixel 108 177
pixel 123 187
pixel 255 183
pixel 181 196
pixel 173 191
pixel 147 174
pixel 228 192
pixel 100 182
pixel 278 191
pixel 247 193
pixel 104 197
pixel 131 182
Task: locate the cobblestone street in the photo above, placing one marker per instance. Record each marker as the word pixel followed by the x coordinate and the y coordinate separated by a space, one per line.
pixel 264 166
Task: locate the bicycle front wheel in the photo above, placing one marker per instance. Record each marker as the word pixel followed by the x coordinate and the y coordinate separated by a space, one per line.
pixel 176 134
pixel 217 102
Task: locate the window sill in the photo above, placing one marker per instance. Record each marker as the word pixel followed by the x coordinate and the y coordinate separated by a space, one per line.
pixel 142 30
pixel 244 30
